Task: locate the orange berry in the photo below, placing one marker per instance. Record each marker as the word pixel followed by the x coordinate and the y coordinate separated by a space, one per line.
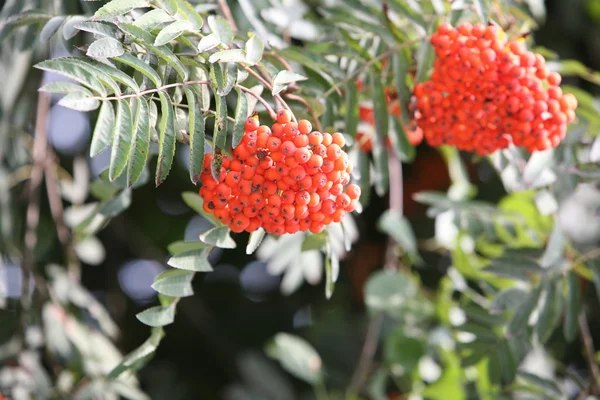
pixel 284 116
pixel 304 126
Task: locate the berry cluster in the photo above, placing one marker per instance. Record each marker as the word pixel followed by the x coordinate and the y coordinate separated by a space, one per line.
pixel 366 127
pixel 286 178
pixel 486 92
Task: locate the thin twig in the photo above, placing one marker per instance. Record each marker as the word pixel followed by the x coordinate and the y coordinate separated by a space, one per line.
pixel 272 112
pixel 366 356
pixel 587 257
pixel 270 87
pixel 371 62
pixel 155 90
pixel 40 149
pixel 310 109
pixel 227 12
pixel 590 353
pixel 57 211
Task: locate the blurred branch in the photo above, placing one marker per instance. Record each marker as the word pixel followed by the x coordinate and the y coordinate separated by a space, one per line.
pixel 227 12
pixel 40 152
pixel 366 356
pixel 311 110
pixel 590 353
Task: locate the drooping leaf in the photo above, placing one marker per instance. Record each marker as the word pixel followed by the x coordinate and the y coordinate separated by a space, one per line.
pixel 105 47
pixel 79 101
pixel 70 29
pixel 189 13
pixel 192 260
pixel 550 312
pixel 169 5
pixel 63 87
pixel 481 6
pixel 29 17
pixel 254 240
pixel 254 50
pixel 297 356
pixel 116 205
pixel 507 300
pixel 233 55
pixel 573 306
pixel 380 155
pixel 221 29
pixel 219 236
pixel 140 142
pixel 115 8
pixel 141 67
pixel 520 318
pixel 196 132
pixel 101 28
pixel 76 72
pixel 548 386
pixel 217 77
pixel 157 315
pixel 332 268
pixel 208 42
pixel 364 166
pixel 51 27
pixel 284 78
pixel 167 139
pixel 220 128
pixel 425 57
pixel 103 130
pixel 230 70
pixel 241 114
pixel 352 115
pixel 152 19
pixel 176 283
pixel 172 31
pixel 121 141
pixel 141 36
pixel 404 148
pixel 182 246
pixel 195 202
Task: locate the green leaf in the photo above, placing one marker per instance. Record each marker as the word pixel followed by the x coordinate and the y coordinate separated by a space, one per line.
pixel 551 310
pixel 152 19
pixel 515 266
pixel 140 66
pixel 117 205
pixel 397 226
pixel 70 29
pixel 314 241
pixel 77 72
pixel 140 142
pixel 196 203
pixel 400 349
pixel 284 78
pixel 100 28
pixel 208 42
pixel 167 140
pixel 192 260
pixel 481 6
pixel 233 55
pixel 364 182
pixel 196 132
pixel 507 300
pixel 79 101
pixel 520 318
pixel 254 240
pixel 121 143
pixel 425 57
pixel 105 47
pixel 29 17
pixel 352 115
pixel 219 236
pixel 573 307
pixel 51 28
pixel 404 148
pixel 157 315
pixel 380 155
pixel 169 5
pixel 167 55
pixel 220 126
pixel 297 356
pixel 230 79
pixel 115 8
pixel 111 72
pixel 332 270
pixel 183 246
pixel 172 31
pixel 138 357
pixel 64 87
pixel 549 387
pixel 176 283
pixel 189 13
pixel 254 50
pixel 388 291
pixel 221 28
pixel 103 130
pixel 241 115
pixel 216 76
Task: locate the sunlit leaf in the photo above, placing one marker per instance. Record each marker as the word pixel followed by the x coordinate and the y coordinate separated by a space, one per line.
pixel 297 356
pixel 254 50
pixel 196 132
pixel 78 73
pixel 79 101
pixel 103 130
pixel 101 28
pixel 380 155
pixel 177 283
pixel 167 139
pixel 284 78
pixel 182 246
pixel 219 236
pixel 221 29
pixel 115 8
pixel 140 142
pixel 138 357
pixel 254 240
pixel 152 19
pixel 121 140
pixel 141 67
pixel 105 47
pixel 51 28
pixel 192 260
pixel 241 114
pixel 233 55
pixel 189 13
pixel 172 31
pixel 157 316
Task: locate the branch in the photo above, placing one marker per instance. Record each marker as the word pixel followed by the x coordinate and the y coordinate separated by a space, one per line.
pixel 272 112
pixel 40 150
pixel 396 204
pixel 590 353
pixel 57 211
pixel 372 61
pixel 227 12
pixel 270 87
pixel 155 90
pixel 366 355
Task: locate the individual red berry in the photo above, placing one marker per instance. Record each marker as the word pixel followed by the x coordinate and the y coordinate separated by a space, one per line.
pixel 284 116
pixel 251 124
